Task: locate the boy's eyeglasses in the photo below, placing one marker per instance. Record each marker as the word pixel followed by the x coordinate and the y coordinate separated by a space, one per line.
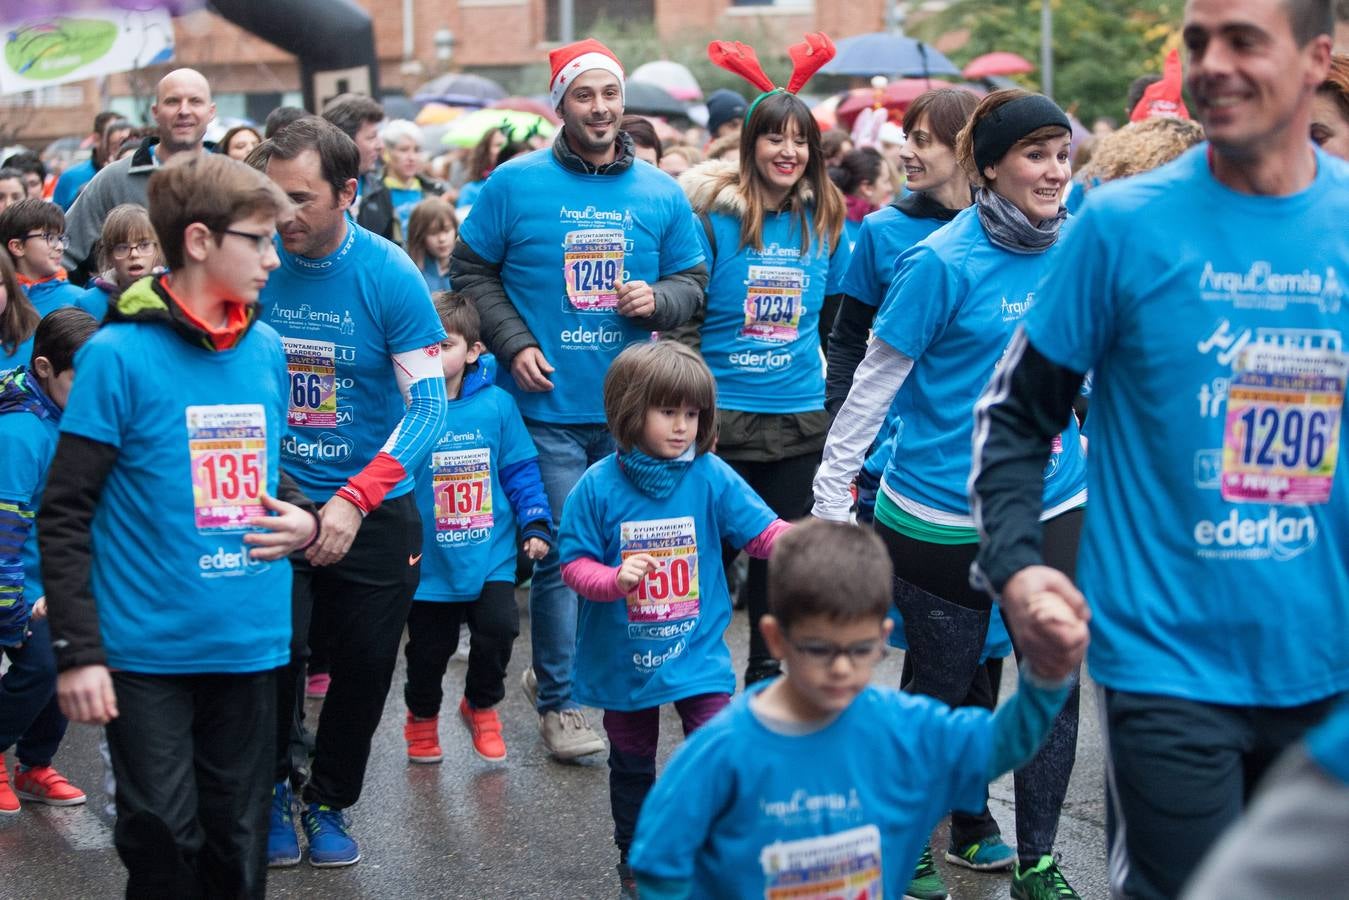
pixel 261 242
pixel 142 248
pixel 53 240
pixel 825 655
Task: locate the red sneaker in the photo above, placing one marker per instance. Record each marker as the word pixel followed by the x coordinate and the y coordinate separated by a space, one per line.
pixel 316 686
pixel 423 741
pixel 46 785
pixel 9 803
pixel 485 727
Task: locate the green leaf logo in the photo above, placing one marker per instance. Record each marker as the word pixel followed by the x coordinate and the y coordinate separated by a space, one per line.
pixel 57 47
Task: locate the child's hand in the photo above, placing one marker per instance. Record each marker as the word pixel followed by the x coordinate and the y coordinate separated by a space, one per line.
pixel 40 608
pixel 1065 628
pixel 535 548
pixel 288 530
pixel 634 569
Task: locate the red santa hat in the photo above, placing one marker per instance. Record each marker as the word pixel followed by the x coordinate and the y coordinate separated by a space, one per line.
pixel 573 59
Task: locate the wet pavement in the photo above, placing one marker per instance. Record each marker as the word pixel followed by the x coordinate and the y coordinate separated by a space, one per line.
pixel 525 828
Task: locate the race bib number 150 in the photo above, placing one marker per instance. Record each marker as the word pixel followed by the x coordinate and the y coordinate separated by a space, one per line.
pixel 670 592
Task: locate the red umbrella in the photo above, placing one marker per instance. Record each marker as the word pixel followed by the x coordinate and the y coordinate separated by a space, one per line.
pixel 1000 63
pixel 895 96
pixel 529 105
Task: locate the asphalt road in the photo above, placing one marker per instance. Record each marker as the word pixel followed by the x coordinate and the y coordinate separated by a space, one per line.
pixel 525 828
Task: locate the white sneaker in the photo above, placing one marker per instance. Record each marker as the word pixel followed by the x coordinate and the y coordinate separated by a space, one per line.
pixel 567 735
pixel 529 683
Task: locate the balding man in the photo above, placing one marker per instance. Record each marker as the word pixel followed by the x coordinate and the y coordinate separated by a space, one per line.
pixel 182 110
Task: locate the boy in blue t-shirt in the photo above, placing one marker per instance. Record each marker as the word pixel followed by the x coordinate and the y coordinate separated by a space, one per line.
pixel 33 232
pixel 468 567
pixel 31 400
pixel 746 809
pixel 165 533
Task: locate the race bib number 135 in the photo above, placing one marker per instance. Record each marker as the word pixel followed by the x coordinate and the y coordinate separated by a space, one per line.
pixel 227 446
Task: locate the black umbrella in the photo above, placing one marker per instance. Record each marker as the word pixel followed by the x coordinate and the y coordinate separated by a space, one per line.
pixel 459 89
pixel 400 107
pixel 643 99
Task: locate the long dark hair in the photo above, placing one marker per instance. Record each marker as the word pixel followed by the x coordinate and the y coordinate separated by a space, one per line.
pixel 771 117
pixel 20 318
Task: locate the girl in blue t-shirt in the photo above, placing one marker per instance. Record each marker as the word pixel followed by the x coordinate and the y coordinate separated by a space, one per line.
pixel 127 251
pixel 645 526
pixel 433 231
pixel 953 306
pixel 18 319
pixel 772 235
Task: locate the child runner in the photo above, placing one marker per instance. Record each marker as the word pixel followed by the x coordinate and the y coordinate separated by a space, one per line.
pixel 645 526
pixel 18 319
pixel 127 251
pixel 433 231
pixel 34 235
pixel 817 784
pixel 484 457
pixel 166 572
pixel 31 400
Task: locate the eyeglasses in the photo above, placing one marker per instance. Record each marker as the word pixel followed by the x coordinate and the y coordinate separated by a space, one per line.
pixel 261 242
pixel 825 655
pixel 53 240
pixel 142 248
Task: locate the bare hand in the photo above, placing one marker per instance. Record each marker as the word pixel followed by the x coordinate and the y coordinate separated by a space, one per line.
pixel 339 520
pixel 40 608
pixel 636 299
pixel 634 569
pixel 287 531
pixel 85 694
pixel 535 548
pixel 1048 617
pixel 531 370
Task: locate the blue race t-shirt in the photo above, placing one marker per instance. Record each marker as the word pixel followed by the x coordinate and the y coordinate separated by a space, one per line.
pixel 1328 743
pixel 341 319
pixel 744 811
pixel 468 526
pixel 1213 552
pixel 665 641
pixel 71 182
pixel 404 199
pixel 561 239
pixel 29 443
pixel 95 301
pixel 884 235
pixel 761 335
pixel 198 435
pixel 54 294
pixel 952 307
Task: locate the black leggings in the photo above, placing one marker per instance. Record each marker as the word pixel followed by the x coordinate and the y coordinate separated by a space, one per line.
pixel 433 636
pixel 946 622
pixel 785 485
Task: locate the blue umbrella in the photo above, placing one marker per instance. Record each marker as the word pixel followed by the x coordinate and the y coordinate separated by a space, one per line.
pixel 884 53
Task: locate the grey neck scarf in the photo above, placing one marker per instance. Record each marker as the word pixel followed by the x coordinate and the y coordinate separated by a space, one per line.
pixel 1009 228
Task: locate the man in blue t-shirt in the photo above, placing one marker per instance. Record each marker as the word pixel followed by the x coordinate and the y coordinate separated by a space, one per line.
pixel 1207 296
pixel 367 402
pixel 572 253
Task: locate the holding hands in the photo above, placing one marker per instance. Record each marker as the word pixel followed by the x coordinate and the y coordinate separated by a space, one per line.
pixel 1048 617
pixel 636 299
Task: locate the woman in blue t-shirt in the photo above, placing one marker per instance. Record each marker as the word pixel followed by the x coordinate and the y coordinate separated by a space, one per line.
pixel 18 319
pixel 956 300
pixel 772 236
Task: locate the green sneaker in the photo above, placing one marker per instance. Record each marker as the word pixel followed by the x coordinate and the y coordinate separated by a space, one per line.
pixel 926 883
pixel 1043 882
pixel 989 854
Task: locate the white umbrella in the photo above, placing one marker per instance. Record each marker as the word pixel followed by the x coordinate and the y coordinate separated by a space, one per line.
pixel 674 77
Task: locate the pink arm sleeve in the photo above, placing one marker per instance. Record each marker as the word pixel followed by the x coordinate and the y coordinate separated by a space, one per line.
pixel 592 580
pixel 762 546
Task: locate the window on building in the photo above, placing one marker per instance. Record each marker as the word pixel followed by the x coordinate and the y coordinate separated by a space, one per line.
pixel 586 14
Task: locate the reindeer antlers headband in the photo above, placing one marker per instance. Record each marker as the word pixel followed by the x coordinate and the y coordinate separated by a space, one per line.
pixel 807 58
